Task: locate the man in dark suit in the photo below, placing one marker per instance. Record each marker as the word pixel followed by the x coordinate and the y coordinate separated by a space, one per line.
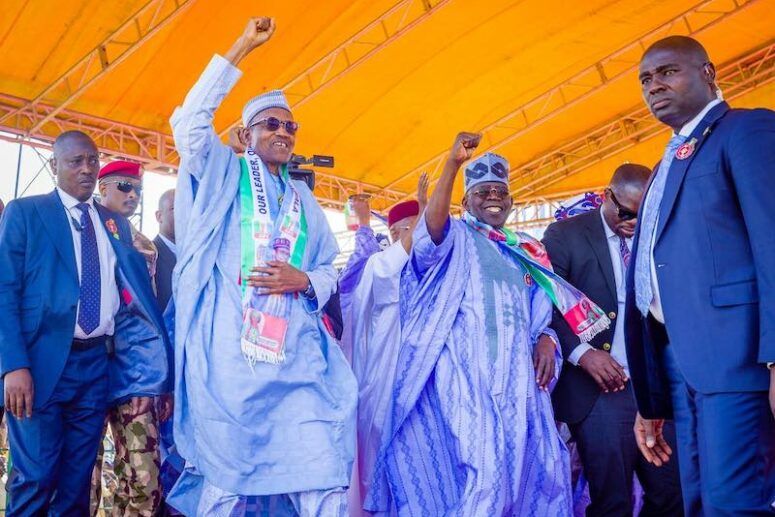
pixel 700 316
pixel 79 330
pixel 165 244
pixel 593 395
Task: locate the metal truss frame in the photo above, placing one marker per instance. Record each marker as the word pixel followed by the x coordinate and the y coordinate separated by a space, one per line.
pixel 39 121
pixel 753 70
pixel 109 53
pixel 583 85
pixel 356 50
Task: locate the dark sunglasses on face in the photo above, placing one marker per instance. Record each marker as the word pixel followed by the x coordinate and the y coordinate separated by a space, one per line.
pixel 485 192
pixel 127 187
pixel 273 124
pixel 623 213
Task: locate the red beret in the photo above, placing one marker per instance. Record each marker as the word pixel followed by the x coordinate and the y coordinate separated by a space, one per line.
pixel 121 168
pixel 402 211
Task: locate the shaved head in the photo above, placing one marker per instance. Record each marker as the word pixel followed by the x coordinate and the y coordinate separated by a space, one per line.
pixel 685 45
pixel 623 196
pixel 630 176
pixel 167 198
pixel 75 163
pixel 165 215
pixel 677 80
pixel 69 138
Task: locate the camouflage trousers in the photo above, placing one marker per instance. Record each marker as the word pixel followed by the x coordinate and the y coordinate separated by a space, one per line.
pixel 136 466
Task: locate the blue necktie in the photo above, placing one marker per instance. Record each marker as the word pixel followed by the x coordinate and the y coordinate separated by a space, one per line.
pixel 89 310
pixel 644 294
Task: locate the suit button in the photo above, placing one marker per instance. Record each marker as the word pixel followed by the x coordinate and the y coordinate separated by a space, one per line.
pixel 606 346
pixel 612 315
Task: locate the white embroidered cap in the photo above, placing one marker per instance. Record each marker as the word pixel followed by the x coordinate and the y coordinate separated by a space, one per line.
pixel 486 168
pixel 270 99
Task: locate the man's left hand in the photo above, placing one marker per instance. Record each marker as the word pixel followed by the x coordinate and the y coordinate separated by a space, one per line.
pixel 543 361
pixel 278 278
pixel 140 405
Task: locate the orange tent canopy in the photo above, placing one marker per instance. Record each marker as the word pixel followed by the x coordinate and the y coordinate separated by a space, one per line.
pixel 382 85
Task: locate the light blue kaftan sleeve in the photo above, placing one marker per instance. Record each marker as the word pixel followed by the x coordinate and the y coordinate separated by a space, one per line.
pixel 425 252
pixel 540 318
pixel 366 245
pixel 192 123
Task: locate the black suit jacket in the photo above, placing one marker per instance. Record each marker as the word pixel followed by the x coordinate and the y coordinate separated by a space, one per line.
pixel 579 253
pixel 163 279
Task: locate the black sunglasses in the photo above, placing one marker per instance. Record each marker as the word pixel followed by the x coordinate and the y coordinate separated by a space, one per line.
pixel 127 187
pixel 485 192
pixel 623 213
pixel 274 123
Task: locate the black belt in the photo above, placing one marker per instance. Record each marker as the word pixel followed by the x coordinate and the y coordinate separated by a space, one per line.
pixel 79 345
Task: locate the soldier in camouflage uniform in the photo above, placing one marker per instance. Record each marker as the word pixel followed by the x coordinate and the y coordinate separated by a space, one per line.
pixel 135 422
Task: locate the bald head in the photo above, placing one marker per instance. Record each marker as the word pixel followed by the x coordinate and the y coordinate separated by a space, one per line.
pixel 684 45
pixel 677 80
pixel 75 163
pixel 165 215
pixel 630 176
pixel 69 138
pixel 623 197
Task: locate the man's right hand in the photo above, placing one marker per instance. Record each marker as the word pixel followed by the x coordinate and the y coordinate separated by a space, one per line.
pixel 19 393
pixel 651 440
pixel 257 32
pixel 464 147
pixel 360 204
pixel 607 373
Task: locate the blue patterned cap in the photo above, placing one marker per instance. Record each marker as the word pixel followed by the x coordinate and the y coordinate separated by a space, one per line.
pixel 488 167
pixel 270 99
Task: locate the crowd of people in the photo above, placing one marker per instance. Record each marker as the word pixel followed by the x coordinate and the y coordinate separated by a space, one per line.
pixel 239 373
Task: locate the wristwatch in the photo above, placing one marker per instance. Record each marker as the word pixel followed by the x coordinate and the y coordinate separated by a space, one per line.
pixel 309 292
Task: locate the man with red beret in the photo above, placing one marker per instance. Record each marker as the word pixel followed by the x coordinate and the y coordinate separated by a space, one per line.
pixel 134 418
pixel 121 187
pixel 369 288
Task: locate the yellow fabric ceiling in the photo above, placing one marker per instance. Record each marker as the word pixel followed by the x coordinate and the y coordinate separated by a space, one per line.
pixel 464 66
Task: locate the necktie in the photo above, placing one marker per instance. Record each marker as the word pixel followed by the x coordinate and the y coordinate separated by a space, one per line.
pixel 89 309
pixel 644 294
pixel 624 251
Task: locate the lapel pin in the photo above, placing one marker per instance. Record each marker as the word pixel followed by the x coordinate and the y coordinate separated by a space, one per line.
pixel 686 150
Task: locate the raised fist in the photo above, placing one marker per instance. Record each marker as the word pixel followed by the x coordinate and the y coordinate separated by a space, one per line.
pixel 360 204
pixel 464 147
pixel 258 32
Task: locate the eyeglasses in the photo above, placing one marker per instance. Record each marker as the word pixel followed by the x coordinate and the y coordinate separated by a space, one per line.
pixel 623 213
pixel 274 123
pixel 485 192
pixel 127 187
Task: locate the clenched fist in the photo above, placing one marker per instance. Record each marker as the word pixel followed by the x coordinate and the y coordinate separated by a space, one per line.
pixel 257 32
pixel 464 147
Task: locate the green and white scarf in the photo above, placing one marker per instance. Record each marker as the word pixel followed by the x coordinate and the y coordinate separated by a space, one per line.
pixel 265 317
pixel 584 317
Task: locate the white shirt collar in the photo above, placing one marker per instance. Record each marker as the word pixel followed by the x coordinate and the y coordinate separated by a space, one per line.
pixel 70 202
pixel 608 231
pixel 690 126
pixel 168 243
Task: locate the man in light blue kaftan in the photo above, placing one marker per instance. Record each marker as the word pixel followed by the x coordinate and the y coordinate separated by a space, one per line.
pixel 472 429
pixel 371 283
pixel 275 436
